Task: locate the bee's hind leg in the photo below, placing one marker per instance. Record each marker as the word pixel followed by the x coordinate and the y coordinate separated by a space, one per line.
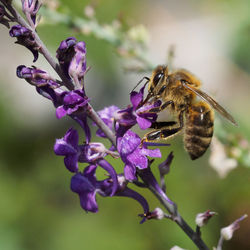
pixel 158 134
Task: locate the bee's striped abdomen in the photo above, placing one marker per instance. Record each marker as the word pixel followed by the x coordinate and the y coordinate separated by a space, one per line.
pixel 199 129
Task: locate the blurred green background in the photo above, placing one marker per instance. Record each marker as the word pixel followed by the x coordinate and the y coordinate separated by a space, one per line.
pixel 37 208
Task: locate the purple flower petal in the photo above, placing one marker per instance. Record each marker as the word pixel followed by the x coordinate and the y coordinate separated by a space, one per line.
pixel 88 202
pixel 138 160
pixel 71 162
pixel 63 148
pixel 61 112
pixel 89 172
pixel 135 99
pixel 128 143
pixel 72 137
pixel 143 123
pixel 151 152
pixel 86 190
pixel 130 172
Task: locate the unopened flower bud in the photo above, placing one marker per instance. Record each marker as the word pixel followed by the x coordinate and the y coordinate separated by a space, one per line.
pixel 30 9
pixel 227 232
pixel 77 65
pixel 25 37
pixel 164 167
pixel 72 58
pixel 158 213
pixel 203 218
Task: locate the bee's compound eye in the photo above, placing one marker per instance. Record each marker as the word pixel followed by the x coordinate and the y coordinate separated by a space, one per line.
pixel 157 78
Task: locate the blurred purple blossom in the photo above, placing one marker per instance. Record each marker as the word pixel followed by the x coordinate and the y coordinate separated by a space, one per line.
pixel 107 115
pixel 72 58
pixel 36 77
pixel 77 67
pixel 25 37
pixel 73 101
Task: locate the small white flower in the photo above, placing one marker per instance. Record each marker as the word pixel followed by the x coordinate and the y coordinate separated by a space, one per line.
pixel 219 159
pixel 159 213
pixel 202 218
pixel 89 11
pixel 227 232
pixel 176 248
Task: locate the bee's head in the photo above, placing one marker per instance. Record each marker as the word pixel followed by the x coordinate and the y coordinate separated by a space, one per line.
pixel 158 78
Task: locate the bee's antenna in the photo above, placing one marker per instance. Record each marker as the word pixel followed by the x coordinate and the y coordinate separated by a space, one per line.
pixel 145 77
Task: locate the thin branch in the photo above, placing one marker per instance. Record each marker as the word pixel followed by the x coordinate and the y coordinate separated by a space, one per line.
pixel 172 209
pixel 220 243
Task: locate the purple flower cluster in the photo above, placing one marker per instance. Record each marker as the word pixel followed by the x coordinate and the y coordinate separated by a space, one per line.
pixel 85 158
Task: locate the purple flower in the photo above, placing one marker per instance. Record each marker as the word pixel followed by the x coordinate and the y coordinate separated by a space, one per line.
pixel 138 113
pixel 149 179
pixel 77 67
pixel 87 186
pixel 65 52
pixel 45 85
pixel 36 77
pixel 24 37
pixel 107 115
pixel 68 147
pixel 133 154
pixel 30 9
pixel 89 153
pixel 73 101
pixel 72 58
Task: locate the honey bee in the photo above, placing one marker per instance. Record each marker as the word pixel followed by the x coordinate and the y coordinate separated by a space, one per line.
pixel 178 91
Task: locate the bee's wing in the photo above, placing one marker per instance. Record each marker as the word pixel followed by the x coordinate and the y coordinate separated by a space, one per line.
pixel 212 102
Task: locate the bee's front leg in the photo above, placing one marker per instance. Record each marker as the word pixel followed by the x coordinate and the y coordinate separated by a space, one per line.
pixel 162 107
